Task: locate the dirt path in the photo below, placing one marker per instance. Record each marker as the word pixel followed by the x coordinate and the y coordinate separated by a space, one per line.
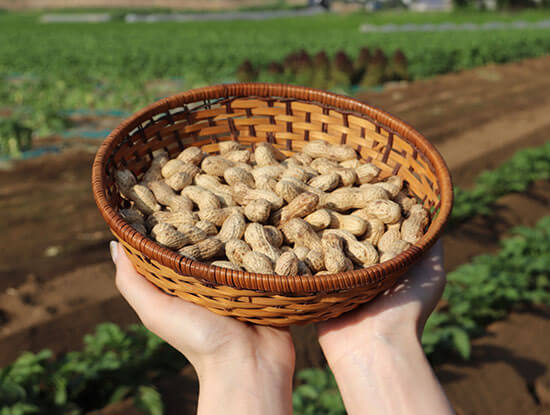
pixel 482 234
pixel 476 118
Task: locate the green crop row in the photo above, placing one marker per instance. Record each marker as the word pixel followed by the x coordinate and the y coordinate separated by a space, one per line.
pixel 489 286
pixel 48 68
pixel 209 52
pixel 514 175
pixel 371 68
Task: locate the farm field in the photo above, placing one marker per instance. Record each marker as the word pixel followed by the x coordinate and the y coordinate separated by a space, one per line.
pixel 122 67
pixel 480 96
pixel 46 279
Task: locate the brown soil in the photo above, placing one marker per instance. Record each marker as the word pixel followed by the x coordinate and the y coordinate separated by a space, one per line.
pixel 476 118
pixel 56 276
pixel 50 223
pixel 169 4
pixel 482 234
pixel 58 313
pixel 506 367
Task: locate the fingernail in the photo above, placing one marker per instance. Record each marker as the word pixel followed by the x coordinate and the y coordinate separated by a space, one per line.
pixel 113 247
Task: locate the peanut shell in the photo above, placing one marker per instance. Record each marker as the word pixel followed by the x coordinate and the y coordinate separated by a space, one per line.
pixel 257 262
pixel 287 264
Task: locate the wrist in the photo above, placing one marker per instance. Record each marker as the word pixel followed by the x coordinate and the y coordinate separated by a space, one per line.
pixel 405 334
pixel 248 368
pixel 340 343
pixel 389 375
pixel 252 360
pixel 250 385
pixel 376 347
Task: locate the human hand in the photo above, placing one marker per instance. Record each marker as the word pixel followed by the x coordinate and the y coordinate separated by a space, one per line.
pixel 240 364
pixel 375 351
pixel 401 310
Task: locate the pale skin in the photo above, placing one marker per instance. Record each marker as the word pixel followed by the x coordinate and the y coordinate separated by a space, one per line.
pixel 374 352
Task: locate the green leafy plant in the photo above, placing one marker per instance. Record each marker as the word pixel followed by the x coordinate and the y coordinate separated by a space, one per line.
pixel 514 175
pixel 490 286
pixel 149 400
pixel 301 68
pixel 317 394
pixel 113 365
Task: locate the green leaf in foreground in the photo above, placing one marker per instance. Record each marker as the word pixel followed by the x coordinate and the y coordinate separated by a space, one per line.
pixel 149 400
pixel 114 364
pixel 461 342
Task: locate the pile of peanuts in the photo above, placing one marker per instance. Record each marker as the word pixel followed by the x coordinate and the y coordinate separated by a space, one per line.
pixel 320 211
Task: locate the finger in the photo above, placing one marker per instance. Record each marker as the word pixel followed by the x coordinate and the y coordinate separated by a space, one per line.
pixel 433 256
pixel 429 268
pixel 422 286
pixel 430 276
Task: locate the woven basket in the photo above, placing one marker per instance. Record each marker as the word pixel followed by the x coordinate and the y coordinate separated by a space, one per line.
pixel 286 116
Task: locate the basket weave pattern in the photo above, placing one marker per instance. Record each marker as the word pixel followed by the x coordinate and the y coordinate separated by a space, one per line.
pixel 287 117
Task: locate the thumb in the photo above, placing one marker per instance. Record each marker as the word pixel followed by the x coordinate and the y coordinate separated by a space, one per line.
pixel 113 247
pixel 171 318
pixel 143 297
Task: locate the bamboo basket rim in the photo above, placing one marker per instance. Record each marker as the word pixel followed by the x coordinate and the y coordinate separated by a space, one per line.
pixel 285 285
